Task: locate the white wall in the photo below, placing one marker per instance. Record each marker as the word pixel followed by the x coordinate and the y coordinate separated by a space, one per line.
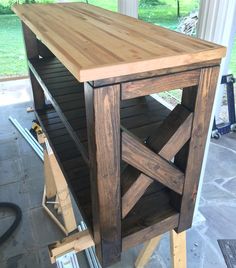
pixel 128 7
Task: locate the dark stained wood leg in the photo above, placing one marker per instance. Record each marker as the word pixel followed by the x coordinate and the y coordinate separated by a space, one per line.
pixel 103 124
pixel 191 156
pixel 31 47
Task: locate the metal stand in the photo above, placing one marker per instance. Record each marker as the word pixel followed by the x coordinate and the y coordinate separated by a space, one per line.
pixel 224 128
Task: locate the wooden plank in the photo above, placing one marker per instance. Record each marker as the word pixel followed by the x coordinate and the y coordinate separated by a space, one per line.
pixel 137 189
pixel 103 120
pixel 169 138
pixel 178 249
pixel 151 164
pixel 77 33
pixel 49 179
pixel 60 112
pixel 62 191
pixel 78 242
pixel 31 47
pixel 52 215
pixel 152 74
pixel 202 113
pixel 147 251
pixel 173 133
pixel 158 84
pixel 147 233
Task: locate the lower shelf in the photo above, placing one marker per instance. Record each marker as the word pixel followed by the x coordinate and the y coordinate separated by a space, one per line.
pixel 153 213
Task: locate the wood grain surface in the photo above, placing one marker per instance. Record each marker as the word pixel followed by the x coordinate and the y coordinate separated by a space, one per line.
pixel 103 123
pixel 151 164
pixel 192 156
pixel 94 43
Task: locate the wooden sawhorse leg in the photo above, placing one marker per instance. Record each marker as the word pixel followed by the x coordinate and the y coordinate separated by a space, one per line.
pixel 177 249
pixel 56 187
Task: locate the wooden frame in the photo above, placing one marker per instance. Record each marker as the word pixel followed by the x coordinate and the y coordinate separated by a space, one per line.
pixel 56 189
pixel 132 163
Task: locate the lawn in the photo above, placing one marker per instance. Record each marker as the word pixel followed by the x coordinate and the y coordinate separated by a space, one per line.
pixel 12 54
pixel 12 57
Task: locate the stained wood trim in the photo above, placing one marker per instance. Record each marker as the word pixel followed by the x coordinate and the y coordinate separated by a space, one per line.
pixel 103 125
pixel 154 85
pixel 62 116
pixel 173 133
pixel 32 52
pixel 152 74
pixel 170 137
pixel 137 189
pixel 151 164
pixel 145 234
pixel 202 113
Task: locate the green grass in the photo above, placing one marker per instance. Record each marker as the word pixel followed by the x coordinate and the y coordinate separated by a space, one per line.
pixel 166 14
pixel 232 64
pixel 108 4
pixel 12 54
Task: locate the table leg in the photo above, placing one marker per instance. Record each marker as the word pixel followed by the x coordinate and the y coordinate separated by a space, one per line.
pixel 189 159
pixel 31 47
pixel 103 125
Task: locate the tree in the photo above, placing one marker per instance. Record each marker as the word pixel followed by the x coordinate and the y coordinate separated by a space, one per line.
pixel 178 8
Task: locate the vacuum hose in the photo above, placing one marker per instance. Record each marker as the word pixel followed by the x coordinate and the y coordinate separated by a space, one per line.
pixel 18 216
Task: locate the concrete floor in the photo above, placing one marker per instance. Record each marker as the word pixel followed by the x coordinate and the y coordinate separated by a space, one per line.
pixel 21 182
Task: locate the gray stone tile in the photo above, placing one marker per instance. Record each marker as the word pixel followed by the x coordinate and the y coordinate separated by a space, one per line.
pixel 230 185
pixel 220 163
pixel 128 258
pixel 21 241
pixel 44 259
pixel 8 149
pixel 195 248
pixel 35 189
pixel 212 259
pixel 228 141
pixel 16 193
pixel 45 231
pixel 162 253
pixel 221 220
pixel 32 166
pixel 28 260
pixel 213 192
pixel 10 171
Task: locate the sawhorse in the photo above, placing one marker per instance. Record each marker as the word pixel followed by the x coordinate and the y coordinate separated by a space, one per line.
pixel 177 250
pixel 56 189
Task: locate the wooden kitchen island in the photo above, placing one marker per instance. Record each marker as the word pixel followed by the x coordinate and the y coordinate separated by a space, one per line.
pixel 132 164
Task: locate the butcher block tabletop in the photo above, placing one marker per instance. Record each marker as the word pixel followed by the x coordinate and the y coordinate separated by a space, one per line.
pixel 94 43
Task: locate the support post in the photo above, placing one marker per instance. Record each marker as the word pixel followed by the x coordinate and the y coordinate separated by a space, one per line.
pixel 189 159
pixel 178 249
pixel 128 7
pixel 103 125
pixel 31 47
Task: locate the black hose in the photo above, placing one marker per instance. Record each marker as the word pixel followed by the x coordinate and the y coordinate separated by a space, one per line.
pixel 18 216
